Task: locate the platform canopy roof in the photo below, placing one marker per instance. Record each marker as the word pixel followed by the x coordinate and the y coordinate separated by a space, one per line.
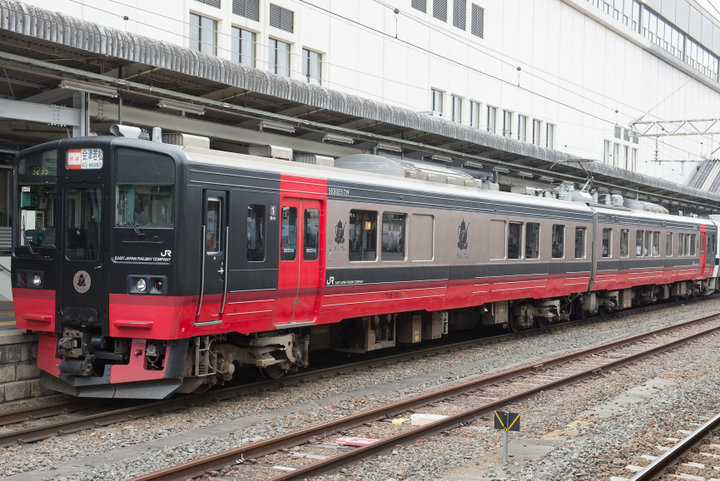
pixel 47 57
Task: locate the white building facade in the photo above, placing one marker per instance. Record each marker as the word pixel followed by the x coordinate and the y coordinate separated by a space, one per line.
pixel 572 75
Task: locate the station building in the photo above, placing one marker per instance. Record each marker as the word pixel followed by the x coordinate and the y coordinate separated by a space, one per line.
pixel 519 93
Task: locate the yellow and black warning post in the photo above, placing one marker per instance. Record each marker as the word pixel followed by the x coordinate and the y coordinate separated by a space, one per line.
pixel 506 421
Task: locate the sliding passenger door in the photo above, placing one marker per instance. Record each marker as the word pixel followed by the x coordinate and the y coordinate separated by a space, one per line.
pixel 215 251
pixel 300 269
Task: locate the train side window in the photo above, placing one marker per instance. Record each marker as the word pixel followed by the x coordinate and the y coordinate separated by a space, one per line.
pixel 256 233
pixel 693 244
pixel 607 242
pixel 639 236
pixel 681 244
pixel 311 240
pixel 288 234
pixel 393 236
pixel 213 237
pixel 579 242
pixel 532 240
pixel 363 235
pixel 624 240
pixel 647 248
pixel 656 244
pixel 496 239
pixel 710 251
pixel 421 242
pixel 514 240
pixel 668 244
pixel 558 241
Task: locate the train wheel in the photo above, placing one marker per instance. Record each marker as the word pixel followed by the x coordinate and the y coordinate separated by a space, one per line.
pixel 273 371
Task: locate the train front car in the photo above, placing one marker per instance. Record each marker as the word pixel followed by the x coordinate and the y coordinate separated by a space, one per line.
pixel 93 251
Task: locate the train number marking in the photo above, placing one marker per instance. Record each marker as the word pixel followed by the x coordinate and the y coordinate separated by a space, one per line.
pixel 393 295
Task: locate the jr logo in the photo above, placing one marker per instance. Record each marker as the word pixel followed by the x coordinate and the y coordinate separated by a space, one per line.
pixel 166 253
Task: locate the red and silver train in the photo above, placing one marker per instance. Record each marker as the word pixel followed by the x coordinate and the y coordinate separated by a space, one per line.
pixel 148 269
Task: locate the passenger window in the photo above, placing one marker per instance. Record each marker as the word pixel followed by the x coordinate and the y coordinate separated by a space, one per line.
pixel 579 243
pixel 496 239
pixel 681 244
pixel 639 236
pixel 213 239
pixel 656 244
pixel 647 248
pixel 693 240
pixel 288 234
pixel 668 244
pixel 363 235
pixel 607 242
pixel 421 243
pixel 532 240
pixel 514 240
pixel 624 249
pixel 256 233
pixel 312 235
pixel 393 236
pixel 558 241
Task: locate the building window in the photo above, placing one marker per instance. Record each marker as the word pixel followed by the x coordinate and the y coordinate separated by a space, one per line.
pixel 474 114
pixel 312 66
pixel 247 8
pixel 537 125
pixel 550 136
pixel 507 124
pixel 419 5
pixel 491 118
pixel 437 102
pixel 633 159
pixel 279 57
pixel 459 13
pixel 616 155
pixel 281 18
pixel 440 10
pixel 212 3
pixel 606 151
pixel 457 103
pixel 203 34
pixel 477 21
pixel 243 46
pixel 522 128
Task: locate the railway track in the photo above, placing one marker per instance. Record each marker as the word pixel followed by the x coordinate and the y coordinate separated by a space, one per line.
pixel 110 412
pixel 314 450
pixel 694 458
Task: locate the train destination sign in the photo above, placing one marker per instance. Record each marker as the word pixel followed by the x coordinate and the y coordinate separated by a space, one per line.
pixel 84 159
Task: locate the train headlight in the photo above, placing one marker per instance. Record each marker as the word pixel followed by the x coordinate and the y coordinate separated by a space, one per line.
pixel 36 280
pixel 141 285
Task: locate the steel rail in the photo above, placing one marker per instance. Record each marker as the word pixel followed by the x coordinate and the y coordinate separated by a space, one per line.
pixel 54 409
pixel 260 448
pixel 671 456
pixel 117 415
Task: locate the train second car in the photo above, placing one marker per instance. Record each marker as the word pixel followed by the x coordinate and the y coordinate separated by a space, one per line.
pixel 147 268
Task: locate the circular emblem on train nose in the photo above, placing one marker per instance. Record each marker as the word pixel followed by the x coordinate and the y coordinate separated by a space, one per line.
pixel 82 281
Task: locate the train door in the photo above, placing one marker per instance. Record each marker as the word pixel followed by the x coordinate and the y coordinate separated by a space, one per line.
pixel 300 271
pixel 215 251
pixel 703 246
pixel 82 291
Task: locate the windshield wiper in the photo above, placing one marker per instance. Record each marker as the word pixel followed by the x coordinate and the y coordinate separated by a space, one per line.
pixel 28 243
pixel 132 223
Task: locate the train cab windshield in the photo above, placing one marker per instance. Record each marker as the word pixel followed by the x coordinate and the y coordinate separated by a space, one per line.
pixel 144 190
pixel 37 185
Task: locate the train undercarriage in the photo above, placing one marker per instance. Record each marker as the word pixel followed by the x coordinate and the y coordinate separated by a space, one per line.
pixel 213 360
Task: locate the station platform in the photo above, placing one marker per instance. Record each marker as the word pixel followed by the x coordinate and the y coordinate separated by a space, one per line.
pixel 7 316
